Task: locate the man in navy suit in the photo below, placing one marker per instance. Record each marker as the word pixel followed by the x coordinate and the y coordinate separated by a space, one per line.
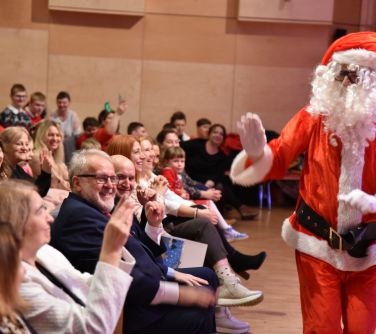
pixel 155 303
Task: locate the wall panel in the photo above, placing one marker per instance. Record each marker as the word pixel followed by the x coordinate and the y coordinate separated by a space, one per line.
pixel 24 60
pixel 92 81
pixel 199 90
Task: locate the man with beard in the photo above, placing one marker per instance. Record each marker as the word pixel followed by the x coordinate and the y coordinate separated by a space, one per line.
pixel 336 132
pixel 157 302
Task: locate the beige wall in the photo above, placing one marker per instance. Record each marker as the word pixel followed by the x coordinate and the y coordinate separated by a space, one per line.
pixel 184 55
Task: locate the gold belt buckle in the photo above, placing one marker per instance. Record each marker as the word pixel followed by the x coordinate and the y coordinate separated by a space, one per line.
pixel 331 232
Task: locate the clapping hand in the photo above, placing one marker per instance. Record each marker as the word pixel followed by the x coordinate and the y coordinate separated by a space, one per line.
pixel 145 195
pixel 46 160
pixel 159 184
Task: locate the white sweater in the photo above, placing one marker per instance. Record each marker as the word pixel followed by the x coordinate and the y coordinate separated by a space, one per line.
pixel 51 310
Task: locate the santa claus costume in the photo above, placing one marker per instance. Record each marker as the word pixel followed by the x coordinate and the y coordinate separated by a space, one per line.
pixel 336 133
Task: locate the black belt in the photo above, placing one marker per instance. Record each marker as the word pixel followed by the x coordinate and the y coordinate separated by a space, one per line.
pixel 317 225
pixel 355 241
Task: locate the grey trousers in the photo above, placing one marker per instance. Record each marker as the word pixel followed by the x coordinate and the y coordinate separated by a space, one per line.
pixel 201 230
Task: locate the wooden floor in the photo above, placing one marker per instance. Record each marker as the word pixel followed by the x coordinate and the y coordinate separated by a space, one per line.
pixel 277 278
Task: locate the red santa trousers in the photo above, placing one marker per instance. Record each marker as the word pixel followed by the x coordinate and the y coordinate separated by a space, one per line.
pixel 329 295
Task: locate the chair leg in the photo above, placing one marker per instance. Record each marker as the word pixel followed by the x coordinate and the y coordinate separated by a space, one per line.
pixel 269 198
pixel 261 194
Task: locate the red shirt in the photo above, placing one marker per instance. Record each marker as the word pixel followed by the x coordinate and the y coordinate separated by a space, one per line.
pixel 103 137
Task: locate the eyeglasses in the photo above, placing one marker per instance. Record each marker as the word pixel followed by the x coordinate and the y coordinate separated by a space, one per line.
pixel 351 75
pixel 123 177
pixel 102 179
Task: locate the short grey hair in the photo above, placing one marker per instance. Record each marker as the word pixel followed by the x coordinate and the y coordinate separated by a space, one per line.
pixel 78 163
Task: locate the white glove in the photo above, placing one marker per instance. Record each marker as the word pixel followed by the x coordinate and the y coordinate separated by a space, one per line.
pixel 252 135
pixel 362 201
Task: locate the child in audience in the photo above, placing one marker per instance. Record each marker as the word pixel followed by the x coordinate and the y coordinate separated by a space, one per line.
pixel 90 125
pixel 90 143
pixel 36 108
pixel 184 186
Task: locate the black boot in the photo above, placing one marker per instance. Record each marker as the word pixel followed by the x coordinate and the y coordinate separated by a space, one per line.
pixel 241 262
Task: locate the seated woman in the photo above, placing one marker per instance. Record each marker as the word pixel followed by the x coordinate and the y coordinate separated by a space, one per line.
pixel 206 163
pixel 10 280
pixel 49 136
pixel 61 299
pixel 184 186
pixel 15 143
pixel 220 255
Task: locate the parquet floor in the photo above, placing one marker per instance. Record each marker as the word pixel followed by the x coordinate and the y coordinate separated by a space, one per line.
pixel 277 278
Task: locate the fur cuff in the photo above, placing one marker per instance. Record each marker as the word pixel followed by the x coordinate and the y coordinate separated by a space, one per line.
pixel 254 173
pixel 321 250
pixel 360 57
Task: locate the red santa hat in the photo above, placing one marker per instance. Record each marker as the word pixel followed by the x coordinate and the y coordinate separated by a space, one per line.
pixel 357 48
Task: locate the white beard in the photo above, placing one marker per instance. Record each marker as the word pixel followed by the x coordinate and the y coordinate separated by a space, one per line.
pixel 350 115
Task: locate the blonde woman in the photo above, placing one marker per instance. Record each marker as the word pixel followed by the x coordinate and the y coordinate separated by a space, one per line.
pixel 49 137
pixel 15 142
pixel 61 299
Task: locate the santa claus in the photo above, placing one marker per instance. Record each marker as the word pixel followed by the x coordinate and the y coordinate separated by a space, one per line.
pixel 336 258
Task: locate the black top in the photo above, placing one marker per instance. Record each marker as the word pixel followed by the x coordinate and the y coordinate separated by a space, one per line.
pixel 202 166
pixel 43 182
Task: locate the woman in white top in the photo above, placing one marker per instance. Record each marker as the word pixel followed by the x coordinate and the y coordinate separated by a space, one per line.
pixel 61 299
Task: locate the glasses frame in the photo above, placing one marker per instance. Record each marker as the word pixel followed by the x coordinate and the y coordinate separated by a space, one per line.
pixel 352 76
pixel 99 178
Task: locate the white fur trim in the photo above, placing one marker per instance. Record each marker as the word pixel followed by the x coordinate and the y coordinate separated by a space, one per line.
pixel 321 250
pixel 254 173
pixel 360 57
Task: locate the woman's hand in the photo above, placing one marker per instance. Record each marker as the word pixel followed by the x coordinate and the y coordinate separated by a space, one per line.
pixel 46 160
pixel 189 279
pixel 145 195
pixel 212 194
pixel 206 213
pixel 159 184
pixel 116 233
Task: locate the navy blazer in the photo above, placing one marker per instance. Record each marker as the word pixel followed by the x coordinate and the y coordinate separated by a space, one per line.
pixel 78 232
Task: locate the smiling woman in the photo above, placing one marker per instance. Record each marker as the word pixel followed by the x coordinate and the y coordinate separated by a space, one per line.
pixel 16 143
pixel 49 137
pixel 95 303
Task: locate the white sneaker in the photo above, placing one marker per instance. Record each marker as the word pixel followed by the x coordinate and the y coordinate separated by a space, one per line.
pixel 226 323
pixel 232 293
pixel 231 234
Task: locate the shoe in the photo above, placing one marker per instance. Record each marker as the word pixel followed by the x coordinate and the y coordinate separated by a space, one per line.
pixel 227 323
pixel 247 213
pixel 231 234
pixel 232 293
pixel 240 262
